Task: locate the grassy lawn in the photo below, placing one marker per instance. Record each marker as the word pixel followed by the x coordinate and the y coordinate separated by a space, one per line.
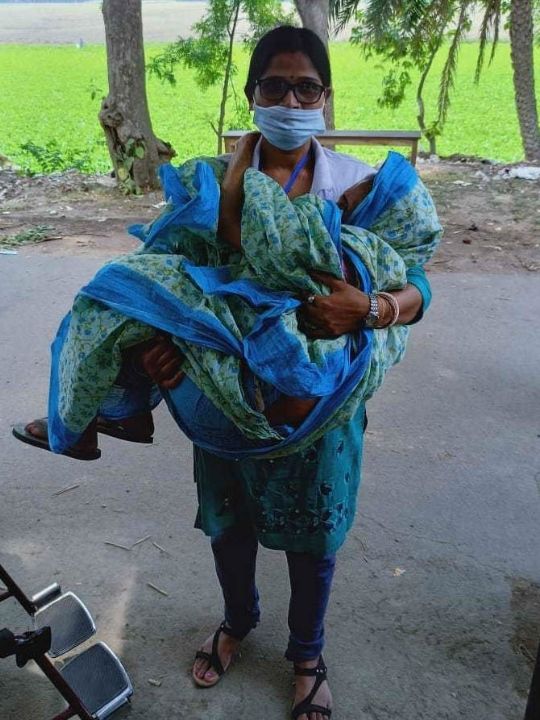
pixel 46 94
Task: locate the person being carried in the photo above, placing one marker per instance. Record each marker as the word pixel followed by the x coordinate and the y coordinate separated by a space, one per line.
pixel 159 360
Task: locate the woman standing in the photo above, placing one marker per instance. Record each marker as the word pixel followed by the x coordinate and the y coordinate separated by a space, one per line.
pixel 302 504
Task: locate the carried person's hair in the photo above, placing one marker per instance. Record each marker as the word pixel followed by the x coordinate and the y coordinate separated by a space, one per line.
pixel 287 39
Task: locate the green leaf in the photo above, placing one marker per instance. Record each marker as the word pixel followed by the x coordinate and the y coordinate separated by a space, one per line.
pixel 140 152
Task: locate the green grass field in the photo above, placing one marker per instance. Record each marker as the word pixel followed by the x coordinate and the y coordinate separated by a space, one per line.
pixel 46 94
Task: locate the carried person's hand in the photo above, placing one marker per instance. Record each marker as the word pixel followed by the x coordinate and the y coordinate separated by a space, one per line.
pixel 329 316
pixel 161 361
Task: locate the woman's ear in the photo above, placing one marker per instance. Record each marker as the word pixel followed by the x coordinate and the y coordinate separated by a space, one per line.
pixel 327 93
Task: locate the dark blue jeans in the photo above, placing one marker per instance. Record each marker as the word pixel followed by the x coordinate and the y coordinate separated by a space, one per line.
pixel 235 555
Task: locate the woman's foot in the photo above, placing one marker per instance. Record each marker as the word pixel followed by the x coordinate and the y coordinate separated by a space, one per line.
pixel 303 687
pixel 227 650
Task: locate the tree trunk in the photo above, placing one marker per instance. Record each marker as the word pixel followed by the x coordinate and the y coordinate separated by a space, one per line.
pixel 521 50
pixel 315 15
pixel 135 151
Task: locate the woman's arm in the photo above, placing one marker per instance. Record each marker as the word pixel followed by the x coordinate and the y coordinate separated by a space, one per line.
pixel 232 193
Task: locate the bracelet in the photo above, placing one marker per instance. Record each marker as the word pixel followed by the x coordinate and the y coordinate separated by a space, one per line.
pixel 394 305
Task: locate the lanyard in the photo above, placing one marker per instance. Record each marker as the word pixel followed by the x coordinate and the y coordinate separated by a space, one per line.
pixel 297 169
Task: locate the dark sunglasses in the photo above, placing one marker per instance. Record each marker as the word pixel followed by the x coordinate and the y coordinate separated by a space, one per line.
pixel 274 89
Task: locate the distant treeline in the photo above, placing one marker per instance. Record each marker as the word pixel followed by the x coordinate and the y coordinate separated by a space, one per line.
pixel 66 2
pixel 28 2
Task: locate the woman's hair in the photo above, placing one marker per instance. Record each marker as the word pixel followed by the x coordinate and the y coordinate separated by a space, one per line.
pixel 287 39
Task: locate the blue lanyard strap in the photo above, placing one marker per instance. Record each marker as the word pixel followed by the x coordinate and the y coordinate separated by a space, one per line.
pixel 297 169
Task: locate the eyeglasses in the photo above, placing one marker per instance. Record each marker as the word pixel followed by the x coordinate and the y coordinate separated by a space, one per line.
pixel 274 89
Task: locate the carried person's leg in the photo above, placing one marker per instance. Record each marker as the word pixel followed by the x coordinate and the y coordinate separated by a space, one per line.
pixel 311 582
pixel 235 555
pixel 158 362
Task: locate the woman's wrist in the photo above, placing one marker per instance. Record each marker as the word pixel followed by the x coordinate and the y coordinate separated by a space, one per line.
pixel 382 311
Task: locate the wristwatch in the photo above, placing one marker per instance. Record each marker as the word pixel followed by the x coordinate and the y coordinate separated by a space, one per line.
pixel 372 318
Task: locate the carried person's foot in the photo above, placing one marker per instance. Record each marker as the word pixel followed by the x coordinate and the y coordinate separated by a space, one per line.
pixel 36 433
pixel 137 429
pixel 215 657
pixel 313 699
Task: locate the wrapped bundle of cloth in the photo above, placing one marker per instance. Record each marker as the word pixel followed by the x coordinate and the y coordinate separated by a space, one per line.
pixel 233 315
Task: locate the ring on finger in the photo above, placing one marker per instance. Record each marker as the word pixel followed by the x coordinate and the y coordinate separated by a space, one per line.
pixel 310 300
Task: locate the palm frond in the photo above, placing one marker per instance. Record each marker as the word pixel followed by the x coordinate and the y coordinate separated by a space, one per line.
pixel 377 13
pixel 496 31
pixel 490 21
pixel 449 70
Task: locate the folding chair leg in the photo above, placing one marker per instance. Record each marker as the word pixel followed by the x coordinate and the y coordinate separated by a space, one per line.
pixel 75 705
pixel 533 704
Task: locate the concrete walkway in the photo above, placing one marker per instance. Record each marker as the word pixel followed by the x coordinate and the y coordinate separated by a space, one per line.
pixel 437 600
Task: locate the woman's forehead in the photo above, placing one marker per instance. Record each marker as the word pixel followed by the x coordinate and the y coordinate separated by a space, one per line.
pixel 291 65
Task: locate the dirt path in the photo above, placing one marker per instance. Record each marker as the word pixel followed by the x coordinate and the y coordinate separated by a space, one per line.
pixel 491 223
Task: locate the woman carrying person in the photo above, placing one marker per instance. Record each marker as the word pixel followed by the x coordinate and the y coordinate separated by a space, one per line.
pixel 302 503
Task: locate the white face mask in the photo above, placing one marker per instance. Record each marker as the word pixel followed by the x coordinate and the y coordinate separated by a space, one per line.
pixel 288 128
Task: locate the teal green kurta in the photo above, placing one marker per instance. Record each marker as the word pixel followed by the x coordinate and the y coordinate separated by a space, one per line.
pixel 303 502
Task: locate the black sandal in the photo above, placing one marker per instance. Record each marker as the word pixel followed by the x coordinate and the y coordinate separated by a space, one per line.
pixel 22 434
pixel 116 429
pixel 305 706
pixel 212 658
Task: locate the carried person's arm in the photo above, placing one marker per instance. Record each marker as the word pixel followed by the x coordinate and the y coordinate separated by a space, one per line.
pixel 346 308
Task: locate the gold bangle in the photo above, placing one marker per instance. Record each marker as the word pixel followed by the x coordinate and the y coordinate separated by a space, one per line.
pixel 394 305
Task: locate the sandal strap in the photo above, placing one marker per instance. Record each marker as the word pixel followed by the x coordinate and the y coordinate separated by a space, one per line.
pixel 304 708
pixel 319 670
pixel 202 655
pixel 215 662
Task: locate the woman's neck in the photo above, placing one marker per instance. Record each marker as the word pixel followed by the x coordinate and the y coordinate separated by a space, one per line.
pixel 272 158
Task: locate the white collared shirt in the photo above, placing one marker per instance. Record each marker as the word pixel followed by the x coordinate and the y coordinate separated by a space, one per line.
pixel 333 172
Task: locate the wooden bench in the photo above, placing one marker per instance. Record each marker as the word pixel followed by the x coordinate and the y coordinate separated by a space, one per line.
pixel 408 138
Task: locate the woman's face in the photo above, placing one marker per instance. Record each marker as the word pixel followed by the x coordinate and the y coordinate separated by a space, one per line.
pixel 292 67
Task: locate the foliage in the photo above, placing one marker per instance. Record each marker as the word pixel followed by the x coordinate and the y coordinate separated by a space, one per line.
pixel 210 53
pixel 51 158
pixel 54 103
pixel 126 156
pixel 32 236
pixel 406 36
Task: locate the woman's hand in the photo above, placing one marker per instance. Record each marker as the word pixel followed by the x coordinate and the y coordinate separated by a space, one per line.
pixel 232 193
pixel 161 361
pixel 242 155
pixel 341 312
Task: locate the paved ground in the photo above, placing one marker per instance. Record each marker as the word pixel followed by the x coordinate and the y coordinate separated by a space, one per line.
pixel 450 497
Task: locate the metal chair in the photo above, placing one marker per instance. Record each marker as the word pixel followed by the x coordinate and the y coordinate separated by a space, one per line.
pixel 94 683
